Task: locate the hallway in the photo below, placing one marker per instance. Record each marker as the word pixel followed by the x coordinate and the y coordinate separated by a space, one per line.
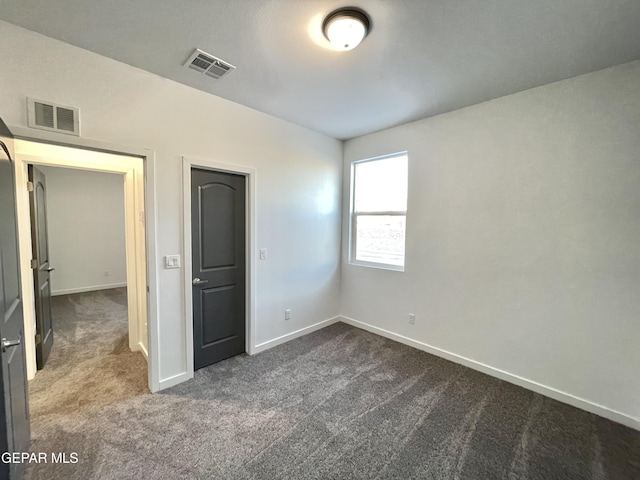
pixel 90 367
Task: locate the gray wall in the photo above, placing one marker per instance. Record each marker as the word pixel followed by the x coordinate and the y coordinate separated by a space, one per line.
pixel 523 237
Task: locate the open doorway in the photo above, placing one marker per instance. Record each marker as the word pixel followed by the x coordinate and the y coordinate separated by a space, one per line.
pixel 80 285
pixel 130 171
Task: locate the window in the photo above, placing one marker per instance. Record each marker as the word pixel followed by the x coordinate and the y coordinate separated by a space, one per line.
pixel 379 211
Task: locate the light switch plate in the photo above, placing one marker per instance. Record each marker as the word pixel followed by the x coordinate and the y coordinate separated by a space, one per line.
pixel 172 261
pixel 263 254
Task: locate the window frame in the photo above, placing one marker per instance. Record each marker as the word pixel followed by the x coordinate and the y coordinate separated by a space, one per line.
pixel 353 217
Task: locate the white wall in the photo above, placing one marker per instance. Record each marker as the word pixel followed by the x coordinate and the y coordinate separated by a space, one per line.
pixel 85 212
pixel 298 175
pixel 523 234
pixel 523 238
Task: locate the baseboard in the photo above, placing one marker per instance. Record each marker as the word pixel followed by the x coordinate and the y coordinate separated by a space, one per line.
pixel 93 288
pixel 144 351
pixel 290 336
pixel 550 392
pixel 183 377
pixel 175 380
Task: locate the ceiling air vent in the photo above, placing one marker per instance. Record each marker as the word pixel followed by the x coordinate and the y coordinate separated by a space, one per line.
pixel 53 117
pixel 208 64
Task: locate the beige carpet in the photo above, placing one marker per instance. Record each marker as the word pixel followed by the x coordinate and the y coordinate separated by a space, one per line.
pixel 339 404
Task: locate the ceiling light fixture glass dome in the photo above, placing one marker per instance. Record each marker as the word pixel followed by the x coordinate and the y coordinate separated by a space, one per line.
pixel 346 28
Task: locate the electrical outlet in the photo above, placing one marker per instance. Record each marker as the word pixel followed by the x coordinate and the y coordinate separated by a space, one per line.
pixel 263 254
pixel 106 273
pixel 412 318
pixel 287 314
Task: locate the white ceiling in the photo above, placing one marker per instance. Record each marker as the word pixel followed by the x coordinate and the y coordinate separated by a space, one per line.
pixel 422 57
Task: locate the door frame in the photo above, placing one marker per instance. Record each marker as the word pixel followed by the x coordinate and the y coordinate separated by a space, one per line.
pixel 142 315
pixel 250 175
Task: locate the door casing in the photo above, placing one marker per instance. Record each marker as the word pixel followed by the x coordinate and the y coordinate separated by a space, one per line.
pixel 132 169
pixel 251 180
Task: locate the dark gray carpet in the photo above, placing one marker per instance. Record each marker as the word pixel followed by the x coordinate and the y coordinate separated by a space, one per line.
pixel 340 403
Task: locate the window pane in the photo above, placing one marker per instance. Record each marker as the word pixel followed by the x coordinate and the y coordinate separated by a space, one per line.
pixel 380 239
pixel 381 185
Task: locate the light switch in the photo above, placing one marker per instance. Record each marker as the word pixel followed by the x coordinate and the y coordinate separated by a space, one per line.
pixel 172 261
pixel 263 254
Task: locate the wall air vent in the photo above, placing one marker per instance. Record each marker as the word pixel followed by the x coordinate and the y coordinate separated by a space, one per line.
pixel 208 64
pixel 53 117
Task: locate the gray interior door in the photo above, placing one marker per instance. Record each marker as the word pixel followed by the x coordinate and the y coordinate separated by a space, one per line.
pixel 40 264
pixel 218 249
pixel 14 406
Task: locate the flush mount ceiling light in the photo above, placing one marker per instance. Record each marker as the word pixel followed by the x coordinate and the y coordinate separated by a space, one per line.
pixel 345 28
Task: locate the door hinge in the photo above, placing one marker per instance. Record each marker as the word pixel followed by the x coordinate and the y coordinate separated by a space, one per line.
pixel 142 216
pixel 34 263
pixel 29 186
pixel 38 339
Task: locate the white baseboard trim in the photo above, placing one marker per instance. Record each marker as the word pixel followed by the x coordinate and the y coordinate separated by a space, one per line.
pixel 550 392
pixel 175 380
pixel 261 347
pixel 144 351
pixel 93 288
pixel 183 377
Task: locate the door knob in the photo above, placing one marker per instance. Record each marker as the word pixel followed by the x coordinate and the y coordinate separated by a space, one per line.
pixel 49 269
pixel 9 343
pixel 197 281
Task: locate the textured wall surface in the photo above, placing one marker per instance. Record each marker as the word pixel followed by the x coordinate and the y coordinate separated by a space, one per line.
pixel 85 212
pixel 522 236
pixel 298 174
